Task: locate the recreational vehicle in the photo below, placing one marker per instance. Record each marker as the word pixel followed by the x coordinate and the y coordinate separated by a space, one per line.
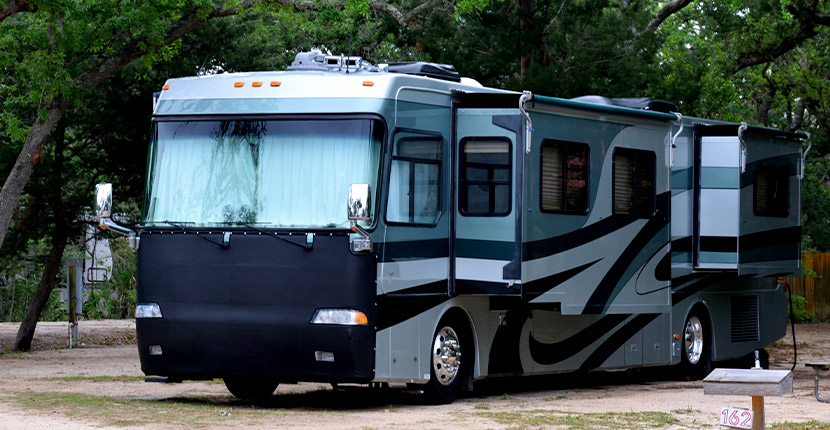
pixel 344 222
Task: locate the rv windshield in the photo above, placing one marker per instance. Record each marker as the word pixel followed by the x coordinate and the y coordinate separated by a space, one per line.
pixel 269 173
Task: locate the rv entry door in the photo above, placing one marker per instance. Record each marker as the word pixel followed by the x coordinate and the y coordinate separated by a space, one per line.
pixel 487 239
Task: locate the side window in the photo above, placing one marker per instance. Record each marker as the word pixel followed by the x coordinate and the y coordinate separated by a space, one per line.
pixel 772 191
pixel 415 181
pixel 633 182
pixel 564 179
pixel 485 176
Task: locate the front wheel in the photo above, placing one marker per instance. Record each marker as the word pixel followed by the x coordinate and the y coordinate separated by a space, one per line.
pixel 250 388
pixel 451 361
pixel 696 360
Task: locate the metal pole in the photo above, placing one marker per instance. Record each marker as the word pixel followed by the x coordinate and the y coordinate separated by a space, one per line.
pixel 73 303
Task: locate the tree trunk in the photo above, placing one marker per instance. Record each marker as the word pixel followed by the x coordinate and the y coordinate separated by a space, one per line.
pixel 526 46
pixel 23 167
pixel 48 280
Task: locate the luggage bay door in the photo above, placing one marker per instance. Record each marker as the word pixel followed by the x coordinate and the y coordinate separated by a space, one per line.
pixel 488 187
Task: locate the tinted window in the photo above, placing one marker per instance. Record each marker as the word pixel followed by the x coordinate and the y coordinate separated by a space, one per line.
pixel 772 190
pixel 633 182
pixel 415 181
pixel 564 178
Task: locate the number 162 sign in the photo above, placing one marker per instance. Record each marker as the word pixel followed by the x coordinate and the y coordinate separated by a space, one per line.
pixel 737 418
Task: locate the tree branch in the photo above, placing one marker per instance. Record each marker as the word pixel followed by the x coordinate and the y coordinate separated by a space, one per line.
pixel 668 10
pixel 14 6
pixel 807 20
pixel 402 18
pixel 134 49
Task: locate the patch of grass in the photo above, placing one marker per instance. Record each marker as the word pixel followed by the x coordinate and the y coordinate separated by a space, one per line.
pixel 484 406
pixel 571 420
pixel 192 412
pixel 809 425
pixel 103 378
pixel 561 397
pixel 687 410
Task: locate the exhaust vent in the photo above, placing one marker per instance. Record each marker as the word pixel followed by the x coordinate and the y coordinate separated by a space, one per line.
pixel 745 319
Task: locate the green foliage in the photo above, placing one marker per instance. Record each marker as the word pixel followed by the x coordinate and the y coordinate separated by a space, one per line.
pixel 115 298
pixel 18 280
pixel 800 312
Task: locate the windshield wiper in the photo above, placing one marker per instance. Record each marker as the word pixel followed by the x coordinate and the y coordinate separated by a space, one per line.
pixel 226 237
pixel 309 241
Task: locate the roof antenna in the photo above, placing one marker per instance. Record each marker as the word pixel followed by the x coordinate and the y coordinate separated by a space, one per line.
pixel 350 53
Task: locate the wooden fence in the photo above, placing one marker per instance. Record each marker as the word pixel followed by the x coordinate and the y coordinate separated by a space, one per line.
pixel 815 289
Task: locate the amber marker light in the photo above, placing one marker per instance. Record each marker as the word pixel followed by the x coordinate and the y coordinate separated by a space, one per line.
pixel 238 84
pixel 361 318
pixel 368 84
pixel 676 336
pixel 275 83
pixel 256 84
pixel 166 87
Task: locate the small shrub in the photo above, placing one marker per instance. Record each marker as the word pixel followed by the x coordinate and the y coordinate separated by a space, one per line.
pixel 800 312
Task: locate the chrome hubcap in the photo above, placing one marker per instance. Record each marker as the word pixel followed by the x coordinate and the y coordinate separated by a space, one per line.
pixel 693 337
pixel 446 355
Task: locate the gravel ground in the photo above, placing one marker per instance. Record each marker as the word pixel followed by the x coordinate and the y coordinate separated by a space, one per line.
pixel 99 385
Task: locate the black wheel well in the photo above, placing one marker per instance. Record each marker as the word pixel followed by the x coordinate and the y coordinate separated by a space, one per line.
pixel 460 315
pixel 702 311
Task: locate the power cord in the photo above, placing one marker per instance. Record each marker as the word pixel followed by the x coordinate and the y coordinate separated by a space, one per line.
pixel 792 325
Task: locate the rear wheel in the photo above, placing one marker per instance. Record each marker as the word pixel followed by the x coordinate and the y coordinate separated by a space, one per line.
pixel 251 388
pixel 451 360
pixel 696 360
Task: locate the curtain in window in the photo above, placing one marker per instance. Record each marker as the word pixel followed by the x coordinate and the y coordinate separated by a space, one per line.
pixel 305 177
pixel 198 178
pixel 552 174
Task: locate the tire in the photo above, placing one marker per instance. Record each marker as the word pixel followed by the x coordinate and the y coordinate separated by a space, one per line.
pixel 451 360
pixel 251 388
pixel 696 356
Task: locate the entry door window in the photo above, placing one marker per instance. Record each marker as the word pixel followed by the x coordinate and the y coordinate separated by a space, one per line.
pixel 485 176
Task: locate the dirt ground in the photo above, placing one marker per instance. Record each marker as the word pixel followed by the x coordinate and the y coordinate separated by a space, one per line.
pixel 100 385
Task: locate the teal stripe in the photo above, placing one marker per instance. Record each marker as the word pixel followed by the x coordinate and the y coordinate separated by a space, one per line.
pixel 681 179
pixel 720 177
pixel 681 257
pixel 718 257
pixel 485 249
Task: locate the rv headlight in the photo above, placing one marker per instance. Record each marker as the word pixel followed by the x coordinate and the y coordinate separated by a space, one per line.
pixel 339 317
pixel 147 310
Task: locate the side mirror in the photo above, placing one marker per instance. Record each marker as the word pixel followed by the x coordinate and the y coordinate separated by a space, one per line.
pixel 103 211
pixel 360 205
pixel 360 202
pixel 103 201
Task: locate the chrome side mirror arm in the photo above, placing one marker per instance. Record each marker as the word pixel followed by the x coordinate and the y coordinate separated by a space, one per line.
pixel 103 212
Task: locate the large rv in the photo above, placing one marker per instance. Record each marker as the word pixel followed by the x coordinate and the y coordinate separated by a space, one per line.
pixel 343 222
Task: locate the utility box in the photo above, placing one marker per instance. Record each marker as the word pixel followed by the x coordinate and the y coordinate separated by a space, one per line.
pixel 750 382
